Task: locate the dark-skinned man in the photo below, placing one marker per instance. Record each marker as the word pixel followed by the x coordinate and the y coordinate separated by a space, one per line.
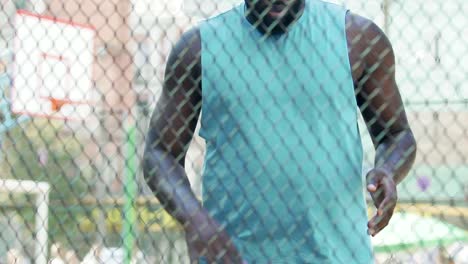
pixel 279 84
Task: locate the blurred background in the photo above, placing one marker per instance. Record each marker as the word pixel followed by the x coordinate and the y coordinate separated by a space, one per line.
pixel 71 185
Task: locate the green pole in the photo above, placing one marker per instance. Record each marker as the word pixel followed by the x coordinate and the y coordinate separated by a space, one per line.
pixel 130 191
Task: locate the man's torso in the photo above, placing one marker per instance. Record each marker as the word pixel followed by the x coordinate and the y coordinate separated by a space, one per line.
pixel 283 164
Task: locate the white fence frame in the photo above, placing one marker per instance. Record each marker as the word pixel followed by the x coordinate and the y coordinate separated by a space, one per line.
pixel 41 191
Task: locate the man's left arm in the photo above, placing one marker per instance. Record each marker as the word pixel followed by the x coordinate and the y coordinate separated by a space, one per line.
pixel 383 111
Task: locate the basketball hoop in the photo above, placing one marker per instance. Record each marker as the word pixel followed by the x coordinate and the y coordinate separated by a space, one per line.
pixel 56 104
pixel 52 75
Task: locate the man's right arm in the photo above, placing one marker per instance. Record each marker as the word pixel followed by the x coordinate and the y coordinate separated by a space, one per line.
pixel 171 129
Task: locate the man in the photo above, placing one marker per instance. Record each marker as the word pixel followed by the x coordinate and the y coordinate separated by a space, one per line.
pixel 278 84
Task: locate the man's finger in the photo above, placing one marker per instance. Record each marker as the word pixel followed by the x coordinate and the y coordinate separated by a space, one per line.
pixel 377 197
pixel 380 220
pixel 377 224
pixel 371 187
pixel 372 225
pixel 382 223
pixel 389 201
pixel 372 182
pixel 388 204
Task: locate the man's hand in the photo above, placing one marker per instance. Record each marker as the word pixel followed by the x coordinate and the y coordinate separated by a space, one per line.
pixel 206 238
pixel 383 191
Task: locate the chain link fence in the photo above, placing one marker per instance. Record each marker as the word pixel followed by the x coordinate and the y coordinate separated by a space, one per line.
pixel 275 156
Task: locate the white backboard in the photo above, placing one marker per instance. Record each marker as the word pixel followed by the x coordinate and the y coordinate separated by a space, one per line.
pixel 52 76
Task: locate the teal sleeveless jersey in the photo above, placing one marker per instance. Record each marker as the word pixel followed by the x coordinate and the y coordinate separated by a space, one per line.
pixel 283 161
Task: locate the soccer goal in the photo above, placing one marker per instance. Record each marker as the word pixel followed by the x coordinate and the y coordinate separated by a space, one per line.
pixel 40 192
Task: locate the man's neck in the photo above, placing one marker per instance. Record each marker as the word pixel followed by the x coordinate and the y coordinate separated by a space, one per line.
pixel 275 27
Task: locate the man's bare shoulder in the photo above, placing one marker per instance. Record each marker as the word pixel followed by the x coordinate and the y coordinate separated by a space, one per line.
pixel 191 38
pixel 183 67
pixel 187 51
pixel 361 30
pixel 367 43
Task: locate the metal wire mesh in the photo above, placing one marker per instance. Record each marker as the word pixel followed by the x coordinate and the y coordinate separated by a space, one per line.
pixel 105 157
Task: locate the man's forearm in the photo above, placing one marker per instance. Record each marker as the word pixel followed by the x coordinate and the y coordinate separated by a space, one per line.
pixel 396 154
pixel 168 181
